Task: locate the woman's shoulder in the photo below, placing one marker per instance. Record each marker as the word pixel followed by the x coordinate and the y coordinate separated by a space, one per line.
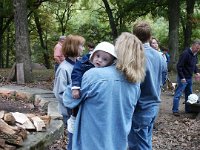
pixel 64 64
pixel 103 70
pixel 105 73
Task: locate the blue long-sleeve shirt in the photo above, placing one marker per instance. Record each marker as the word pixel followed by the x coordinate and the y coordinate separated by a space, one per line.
pixel 186 65
pixel 156 75
pixel 106 107
pixel 80 67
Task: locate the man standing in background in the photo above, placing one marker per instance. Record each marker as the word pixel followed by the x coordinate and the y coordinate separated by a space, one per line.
pixel 186 66
pixel 58 55
pixel 147 107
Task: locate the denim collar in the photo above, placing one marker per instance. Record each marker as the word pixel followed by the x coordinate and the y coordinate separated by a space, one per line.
pixel 146 45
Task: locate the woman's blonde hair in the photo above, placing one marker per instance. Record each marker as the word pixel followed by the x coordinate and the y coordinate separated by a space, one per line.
pixel 70 47
pixel 130 57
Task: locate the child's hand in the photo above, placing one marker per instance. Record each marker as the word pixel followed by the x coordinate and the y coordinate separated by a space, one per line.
pixel 76 93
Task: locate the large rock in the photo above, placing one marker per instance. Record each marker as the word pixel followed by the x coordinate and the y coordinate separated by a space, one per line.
pixel 38 66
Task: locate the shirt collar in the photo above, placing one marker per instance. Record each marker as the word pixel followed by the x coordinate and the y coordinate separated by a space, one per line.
pixel 192 52
pixel 146 44
pixel 70 61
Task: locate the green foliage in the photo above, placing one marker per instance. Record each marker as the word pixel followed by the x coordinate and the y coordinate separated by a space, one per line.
pixel 196 25
pixel 94 28
pixel 89 19
pixel 94 33
pixel 6 8
pixel 160 30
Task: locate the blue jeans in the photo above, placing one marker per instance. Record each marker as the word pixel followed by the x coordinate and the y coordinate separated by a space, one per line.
pixel 140 136
pixel 182 87
pixel 69 145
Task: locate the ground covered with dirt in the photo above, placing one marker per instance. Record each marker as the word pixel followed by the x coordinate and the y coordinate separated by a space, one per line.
pixel 170 133
pixel 175 133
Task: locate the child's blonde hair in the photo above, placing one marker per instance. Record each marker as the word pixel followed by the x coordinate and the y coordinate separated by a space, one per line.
pixel 71 45
pixel 130 57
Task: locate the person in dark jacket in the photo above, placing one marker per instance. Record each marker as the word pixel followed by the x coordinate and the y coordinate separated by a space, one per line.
pixel 186 66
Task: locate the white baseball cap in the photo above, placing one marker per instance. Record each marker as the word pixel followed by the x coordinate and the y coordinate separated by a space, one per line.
pixel 106 47
pixel 192 98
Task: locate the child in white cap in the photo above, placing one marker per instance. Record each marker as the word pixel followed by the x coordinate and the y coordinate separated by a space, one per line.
pixel 103 55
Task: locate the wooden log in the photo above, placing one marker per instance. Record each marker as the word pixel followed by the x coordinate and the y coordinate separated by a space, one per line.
pixel 22 132
pixel 10 134
pixel 4 127
pixel 2 143
pixel 2 114
pixel 11 138
pixel 46 119
pixel 23 119
pixel 30 115
pixel 39 123
pixel 20 117
pixel 10 147
pixel 9 119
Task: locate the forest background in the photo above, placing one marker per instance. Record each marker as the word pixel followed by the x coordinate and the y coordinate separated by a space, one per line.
pixel 29 29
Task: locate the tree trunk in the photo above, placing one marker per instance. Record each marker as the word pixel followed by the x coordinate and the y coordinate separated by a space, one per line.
pixel 188 29
pixel 8 47
pixel 173 12
pixel 111 19
pixel 43 45
pixel 22 37
pixel 1 37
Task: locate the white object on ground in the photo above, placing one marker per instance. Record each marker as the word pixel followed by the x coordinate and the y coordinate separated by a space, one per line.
pixel 192 98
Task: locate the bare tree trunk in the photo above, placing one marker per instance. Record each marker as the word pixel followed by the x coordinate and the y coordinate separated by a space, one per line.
pixel 1 38
pixel 43 45
pixel 111 19
pixel 22 45
pixel 8 47
pixel 188 28
pixel 173 8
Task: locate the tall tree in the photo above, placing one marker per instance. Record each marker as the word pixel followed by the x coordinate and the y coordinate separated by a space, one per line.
pixel 64 15
pixel 1 37
pixel 22 45
pixel 187 25
pixel 1 43
pixel 111 19
pixel 9 45
pixel 42 43
pixel 173 12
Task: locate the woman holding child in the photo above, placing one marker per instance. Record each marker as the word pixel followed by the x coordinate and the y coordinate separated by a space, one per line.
pixel 108 98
